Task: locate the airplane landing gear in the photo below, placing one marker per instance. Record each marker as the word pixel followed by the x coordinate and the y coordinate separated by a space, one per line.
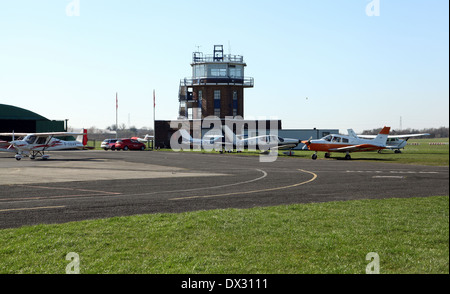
pixel 347 156
pixel 314 156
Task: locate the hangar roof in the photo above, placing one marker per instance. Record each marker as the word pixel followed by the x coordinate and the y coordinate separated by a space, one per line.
pixel 16 113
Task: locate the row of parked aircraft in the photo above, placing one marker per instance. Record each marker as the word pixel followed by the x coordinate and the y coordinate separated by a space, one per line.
pixel 36 144
pixel 239 142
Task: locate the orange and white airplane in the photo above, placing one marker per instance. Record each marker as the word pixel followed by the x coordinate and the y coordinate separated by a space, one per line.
pixel 36 144
pixel 347 144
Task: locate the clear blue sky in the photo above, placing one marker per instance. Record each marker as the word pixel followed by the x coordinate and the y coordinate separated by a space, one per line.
pixel 358 71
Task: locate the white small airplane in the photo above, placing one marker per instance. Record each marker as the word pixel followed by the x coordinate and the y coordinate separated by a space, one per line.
pixel 394 142
pixel 36 144
pixel 146 139
pixel 347 144
pixel 262 142
pixel 207 141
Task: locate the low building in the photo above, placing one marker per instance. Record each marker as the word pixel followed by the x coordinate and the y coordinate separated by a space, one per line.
pixel 20 120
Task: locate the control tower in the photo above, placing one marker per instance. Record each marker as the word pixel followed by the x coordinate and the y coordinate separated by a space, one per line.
pixel 216 87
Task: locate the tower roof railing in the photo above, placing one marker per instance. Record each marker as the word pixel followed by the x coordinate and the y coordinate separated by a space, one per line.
pixel 236 81
pixel 198 57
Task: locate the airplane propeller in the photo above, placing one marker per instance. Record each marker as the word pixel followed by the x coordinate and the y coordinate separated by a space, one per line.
pixel 307 143
pixel 13 142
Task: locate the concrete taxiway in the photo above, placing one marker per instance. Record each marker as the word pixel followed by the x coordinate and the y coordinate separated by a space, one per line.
pixel 80 185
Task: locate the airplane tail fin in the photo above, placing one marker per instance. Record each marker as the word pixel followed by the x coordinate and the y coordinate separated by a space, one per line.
pixel 352 133
pixel 382 136
pixel 83 138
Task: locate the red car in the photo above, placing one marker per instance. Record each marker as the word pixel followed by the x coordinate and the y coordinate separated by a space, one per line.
pixel 129 144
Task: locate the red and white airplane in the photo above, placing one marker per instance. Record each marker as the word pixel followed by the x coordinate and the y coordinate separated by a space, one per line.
pixel 347 144
pixel 146 139
pixel 36 144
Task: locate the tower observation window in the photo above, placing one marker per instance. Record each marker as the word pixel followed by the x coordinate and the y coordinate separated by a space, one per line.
pixel 199 71
pixel 218 72
pixel 236 71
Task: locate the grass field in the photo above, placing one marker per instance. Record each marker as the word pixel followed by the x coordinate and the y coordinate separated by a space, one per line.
pixel 409 235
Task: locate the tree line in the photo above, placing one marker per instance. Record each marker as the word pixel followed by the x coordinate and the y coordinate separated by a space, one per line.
pixel 123 131
pixel 442 132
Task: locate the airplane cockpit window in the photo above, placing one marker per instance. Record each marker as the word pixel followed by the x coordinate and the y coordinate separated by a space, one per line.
pixel 327 138
pixel 41 140
pixel 30 139
pixel 344 140
pixel 280 139
pixel 336 139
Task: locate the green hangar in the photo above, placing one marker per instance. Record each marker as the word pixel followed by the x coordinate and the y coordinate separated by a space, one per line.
pixel 20 120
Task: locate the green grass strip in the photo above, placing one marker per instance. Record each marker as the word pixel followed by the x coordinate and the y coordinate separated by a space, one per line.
pixel 409 235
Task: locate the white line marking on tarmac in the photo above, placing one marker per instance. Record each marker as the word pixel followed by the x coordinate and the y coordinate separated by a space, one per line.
pixel 116 194
pixel 253 191
pixel 30 208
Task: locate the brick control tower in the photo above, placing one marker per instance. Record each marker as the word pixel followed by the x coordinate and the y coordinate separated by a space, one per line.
pixel 216 87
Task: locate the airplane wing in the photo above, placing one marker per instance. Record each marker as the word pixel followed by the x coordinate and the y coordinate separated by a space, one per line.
pixel 353 148
pixel 13 134
pixel 395 136
pixel 408 135
pixel 54 134
pixel 281 147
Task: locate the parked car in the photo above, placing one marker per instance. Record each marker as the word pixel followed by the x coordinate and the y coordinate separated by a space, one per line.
pixel 129 144
pixel 108 144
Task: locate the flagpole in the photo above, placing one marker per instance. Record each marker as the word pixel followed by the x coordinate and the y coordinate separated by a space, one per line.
pixel 154 129
pixel 117 125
